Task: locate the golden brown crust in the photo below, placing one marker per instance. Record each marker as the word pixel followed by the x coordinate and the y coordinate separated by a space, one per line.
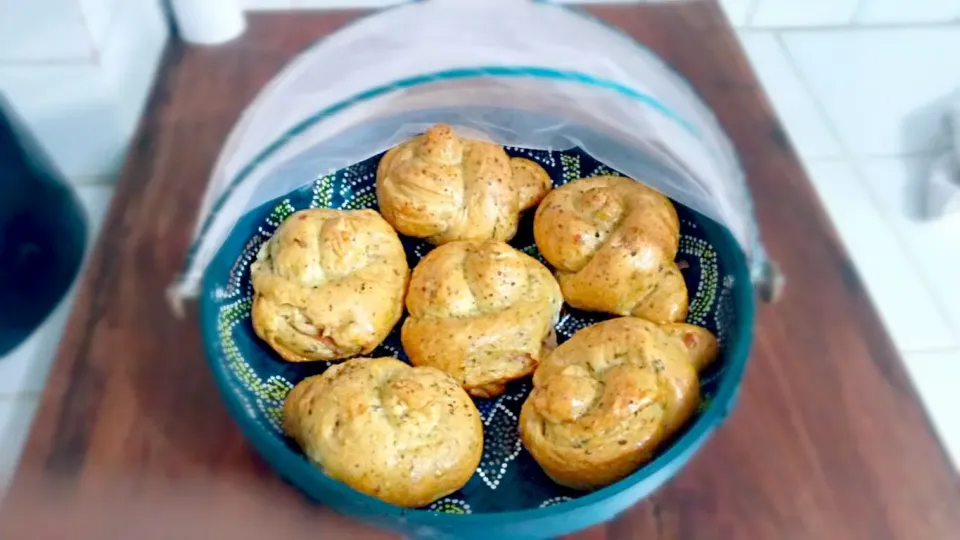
pixel 406 435
pixel 328 285
pixel 482 312
pixel 443 188
pixel 532 182
pixel 613 242
pixel 701 345
pixel 605 399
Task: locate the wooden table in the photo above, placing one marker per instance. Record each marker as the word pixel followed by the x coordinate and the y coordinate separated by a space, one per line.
pixel 828 440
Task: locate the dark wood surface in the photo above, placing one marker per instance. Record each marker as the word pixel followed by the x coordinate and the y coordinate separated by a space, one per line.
pixel 828 440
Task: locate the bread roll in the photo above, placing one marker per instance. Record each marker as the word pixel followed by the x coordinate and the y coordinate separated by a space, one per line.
pixel 328 285
pixel 406 435
pixel 441 187
pixel 482 312
pixel 613 242
pixel 604 400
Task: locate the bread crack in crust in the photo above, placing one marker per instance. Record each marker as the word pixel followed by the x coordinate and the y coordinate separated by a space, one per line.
pixel 482 312
pixel 329 285
pixel 441 187
pixel 613 242
pixel 605 399
pixel 406 435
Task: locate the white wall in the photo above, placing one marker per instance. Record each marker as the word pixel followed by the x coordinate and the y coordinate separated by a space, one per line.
pixel 79 73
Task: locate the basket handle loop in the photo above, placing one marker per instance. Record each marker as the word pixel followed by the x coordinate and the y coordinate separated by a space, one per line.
pixel 771 282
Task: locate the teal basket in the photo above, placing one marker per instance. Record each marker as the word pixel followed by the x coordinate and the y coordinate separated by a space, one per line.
pixel 509 496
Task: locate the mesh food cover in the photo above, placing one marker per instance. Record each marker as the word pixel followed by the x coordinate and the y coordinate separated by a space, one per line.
pixel 518 73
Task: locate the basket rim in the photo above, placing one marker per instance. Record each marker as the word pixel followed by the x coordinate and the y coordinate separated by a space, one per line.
pixel 472 72
pixel 315 483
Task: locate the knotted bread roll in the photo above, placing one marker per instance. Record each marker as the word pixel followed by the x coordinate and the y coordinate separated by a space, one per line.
pixel 482 312
pixel 405 435
pixel 329 284
pixel 613 242
pixel 605 399
pixel 442 188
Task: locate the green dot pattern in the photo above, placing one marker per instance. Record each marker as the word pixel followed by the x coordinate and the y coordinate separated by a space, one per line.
pixel 703 298
pixel 571 168
pixel 322 192
pixel 450 505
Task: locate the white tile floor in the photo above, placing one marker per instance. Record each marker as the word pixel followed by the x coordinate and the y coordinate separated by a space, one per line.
pixel 863 106
pixel 23 372
pixel 860 108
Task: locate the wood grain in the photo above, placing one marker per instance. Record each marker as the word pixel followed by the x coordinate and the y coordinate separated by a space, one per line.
pixel 828 439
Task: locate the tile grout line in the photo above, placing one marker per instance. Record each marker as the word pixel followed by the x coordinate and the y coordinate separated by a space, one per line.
pixel 932 350
pixel 844 153
pixel 904 246
pixel 92 181
pixel 814 97
pixel 851 159
pixel 84 17
pixel 945 315
pixel 855 17
pixel 75 61
pixel 19 396
pixel 854 27
pixel 752 8
pixel 871 156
